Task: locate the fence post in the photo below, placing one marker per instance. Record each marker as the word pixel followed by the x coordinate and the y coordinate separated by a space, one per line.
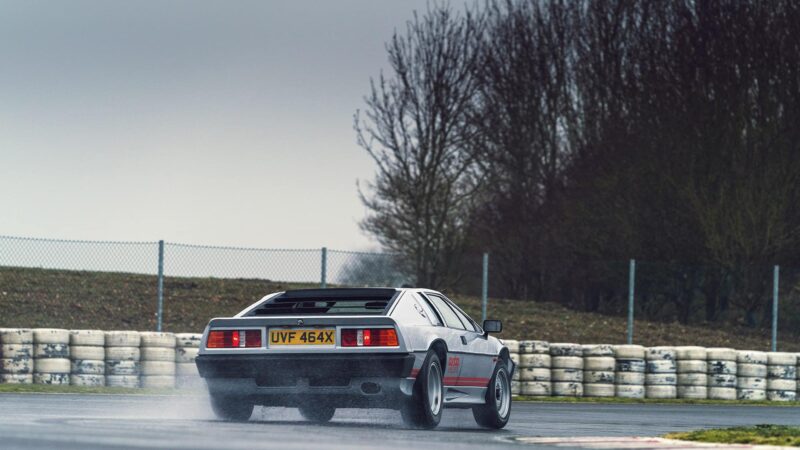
pixel 775 279
pixel 631 287
pixel 323 282
pixel 485 286
pixel 160 313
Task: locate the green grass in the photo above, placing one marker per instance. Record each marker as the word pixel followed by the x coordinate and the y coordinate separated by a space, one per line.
pixel 758 435
pixel 672 401
pixel 75 299
pixel 51 389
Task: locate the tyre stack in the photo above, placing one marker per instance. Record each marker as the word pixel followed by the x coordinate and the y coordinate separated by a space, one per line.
pixel 751 375
pixel 629 375
pixel 513 353
pixel 534 368
pixel 87 354
pixel 51 364
pixel 158 360
pixel 781 377
pixel 598 371
pixel 721 373
pixel 16 356
pixel 186 347
pixel 566 370
pixel 122 358
pixel 661 377
pixel 692 372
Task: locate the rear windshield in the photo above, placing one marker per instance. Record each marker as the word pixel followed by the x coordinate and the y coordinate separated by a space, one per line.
pixel 327 302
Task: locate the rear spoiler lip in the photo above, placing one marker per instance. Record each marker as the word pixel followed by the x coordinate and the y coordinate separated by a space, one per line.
pixel 292 321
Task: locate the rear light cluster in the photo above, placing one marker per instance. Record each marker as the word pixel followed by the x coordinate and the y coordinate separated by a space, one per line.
pixel 234 339
pixel 369 337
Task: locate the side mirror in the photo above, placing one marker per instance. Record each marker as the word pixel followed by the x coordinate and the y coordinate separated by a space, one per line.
pixel 492 326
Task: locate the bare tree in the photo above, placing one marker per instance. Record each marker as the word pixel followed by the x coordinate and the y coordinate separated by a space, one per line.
pixel 414 127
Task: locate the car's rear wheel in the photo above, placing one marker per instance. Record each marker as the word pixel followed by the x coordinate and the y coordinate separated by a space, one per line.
pixel 236 409
pixel 497 409
pixel 317 413
pixel 424 408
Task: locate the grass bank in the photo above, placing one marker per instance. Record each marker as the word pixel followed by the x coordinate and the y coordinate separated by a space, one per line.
pixel 673 401
pixel 758 435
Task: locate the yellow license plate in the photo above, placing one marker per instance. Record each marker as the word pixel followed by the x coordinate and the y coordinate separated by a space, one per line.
pixel 294 336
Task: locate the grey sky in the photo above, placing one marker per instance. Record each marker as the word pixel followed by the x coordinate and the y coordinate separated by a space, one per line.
pixel 202 122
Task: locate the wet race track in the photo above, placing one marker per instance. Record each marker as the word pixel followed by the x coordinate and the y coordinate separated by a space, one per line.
pixel 52 421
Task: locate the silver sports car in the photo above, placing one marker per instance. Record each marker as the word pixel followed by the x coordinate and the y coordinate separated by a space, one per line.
pixel 322 349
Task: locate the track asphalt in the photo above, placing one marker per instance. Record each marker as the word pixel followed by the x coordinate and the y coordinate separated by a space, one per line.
pixel 72 421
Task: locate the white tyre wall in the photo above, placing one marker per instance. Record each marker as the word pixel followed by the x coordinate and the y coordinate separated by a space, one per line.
pixel 660 354
pixel 21 366
pixel 598 377
pixel 514 356
pixel 661 366
pixel 540 347
pixel 90 338
pixel 16 336
pixel 692 379
pixel 722 381
pixel 123 368
pixel 692 366
pixel 567 389
pixel 661 391
pixel 721 354
pixel 629 352
pixel 695 353
pixel 50 336
pixel 87 380
pixel 59 379
pixel 515 377
pixel 630 365
pixel 188 355
pixel 511 344
pixel 565 349
pixel 536 388
pixel 158 368
pixel 751 370
pixel 661 379
pixel 51 350
pixel 721 393
pixel 158 381
pixel 87 352
pixel 751 394
pixel 516 389
pixel 186 370
pixel 88 367
pixel 158 354
pixel 156 339
pixel 693 392
pixel 599 363
pixel 566 362
pixel 15 351
pixel 717 367
pixel 781 385
pixel 782 372
pixel 595 350
pixel 634 378
pixel 123 339
pixel 781 359
pixel 51 366
pixel 782 396
pixel 598 390
pixel 567 375
pixel 16 378
pixel 534 360
pixel 751 383
pixel 122 381
pixel 192 340
pixel 123 353
pixel 533 374
pixel 751 357
pixel 629 391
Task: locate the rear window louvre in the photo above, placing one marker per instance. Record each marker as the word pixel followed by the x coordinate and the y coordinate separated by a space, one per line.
pixel 327 302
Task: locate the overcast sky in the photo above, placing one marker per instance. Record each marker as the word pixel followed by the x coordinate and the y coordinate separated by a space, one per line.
pixel 225 123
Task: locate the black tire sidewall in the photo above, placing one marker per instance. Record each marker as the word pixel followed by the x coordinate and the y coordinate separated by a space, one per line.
pixel 417 411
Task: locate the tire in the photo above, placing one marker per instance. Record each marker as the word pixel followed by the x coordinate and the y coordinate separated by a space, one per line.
pixel 50 336
pixel 186 370
pixel 782 372
pixel 188 340
pixel 630 365
pixel 629 391
pixel 232 409
pixel 751 357
pixel 567 389
pixel 692 379
pixel 661 379
pixel 781 385
pixel 751 370
pixel 598 376
pixel 629 351
pixel 598 390
pixel 567 375
pixel 424 409
pixel 495 413
pixel 123 368
pixel 566 362
pixel 562 349
pixel 158 381
pixel 718 367
pixel 317 413
pixel 781 359
pixel 51 366
pixel 16 336
pixel 751 394
pixel 88 367
pixel 661 392
pixel 87 380
pixel 16 378
pixel 598 350
pixel 536 388
pixel 511 345
pixel 93 338
pixel 599 363
pixel 661 366
pixel 698 353
pixel 51 351
pixel 693 392
pixel 13 351
pixel 721 381
pixel 781 396
pixel 660 354
pixel 538 347
pixel 533 374
pixel 123 353
pixel 158 354
pixel 692 366
pixel 156 339
pixel 57 379
pixel 87 352
pixel 123 339
pixel 534 360
pixel 158 368
pixel 20 366
pixel 721 393
pixel 721 354
pixel 186 354
pixel 751 383
pixel 631 378
pixel 126 381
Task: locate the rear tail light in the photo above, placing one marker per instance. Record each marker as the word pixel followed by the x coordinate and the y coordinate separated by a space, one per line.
pixel 234 339
pixel 369 337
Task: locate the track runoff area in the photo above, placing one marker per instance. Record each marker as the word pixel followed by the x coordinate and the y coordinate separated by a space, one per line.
pixel 184 421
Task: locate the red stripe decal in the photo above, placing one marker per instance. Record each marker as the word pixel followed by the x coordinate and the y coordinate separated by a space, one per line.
pixel 414 373
pixel 466 381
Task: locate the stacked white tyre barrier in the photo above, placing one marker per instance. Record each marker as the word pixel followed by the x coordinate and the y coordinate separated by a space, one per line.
pixel 751 375
pixel 122 358
pixel 513 353
pixel 692 372
pixel 598 371
pixel 566 370
pixel 722 372
pixel 158 360
pixel 87 355
pixel 186 347
pixel 630 369
pixel 51 364
pixel 781 377
pixel 534 368
pixel 661 377
pixel 16 356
